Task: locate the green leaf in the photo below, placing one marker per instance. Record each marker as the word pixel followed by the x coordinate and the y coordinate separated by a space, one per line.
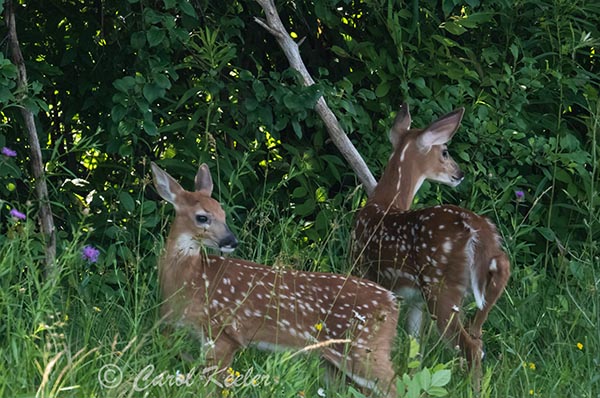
pixel 424 377
pixel 187 8
pixel 153 91
pixel 473 20
pixel 514 50
pixel 162 81
pixel 339 51
pixel 441 378
pixel 127 201
pixel 414 389
pixel 453 28
pixel 125 127
pixel 148 207
pixel 299 192
pixel 150 128
pixel 259 90
pixel 124 84
pixel 155 36
pixel 117 113
pixel 297 128
pixel 138 40
pixel 382 89
pixel 414 348
pixel 547 233
pixel 437 392
pixel 251 104
pixel 321 194
pixel 306 208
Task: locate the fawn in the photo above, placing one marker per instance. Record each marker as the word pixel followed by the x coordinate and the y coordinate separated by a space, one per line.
pixel 232 303
pixel 434 253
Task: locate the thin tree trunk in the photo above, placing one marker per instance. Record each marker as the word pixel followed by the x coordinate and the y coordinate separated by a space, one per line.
pixel 37 167
pixel 274 26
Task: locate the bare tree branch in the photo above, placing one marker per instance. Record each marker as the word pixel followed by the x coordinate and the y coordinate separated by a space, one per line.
pixel 274 26
pixel 37 166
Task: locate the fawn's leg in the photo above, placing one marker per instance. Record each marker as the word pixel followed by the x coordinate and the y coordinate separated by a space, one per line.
pixel 222 351
pixel 445 302
pixel 372 374
pixel 499 272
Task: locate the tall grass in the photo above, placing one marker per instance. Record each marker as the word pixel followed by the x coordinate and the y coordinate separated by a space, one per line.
pixel 93 329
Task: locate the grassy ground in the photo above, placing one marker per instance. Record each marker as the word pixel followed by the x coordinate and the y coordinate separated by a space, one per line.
pixel 92 330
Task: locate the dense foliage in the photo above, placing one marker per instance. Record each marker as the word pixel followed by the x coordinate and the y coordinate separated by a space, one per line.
pixel 115 84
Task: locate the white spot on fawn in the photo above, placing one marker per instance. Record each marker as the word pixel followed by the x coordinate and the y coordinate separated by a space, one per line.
pixel 447 246
pixel 493 265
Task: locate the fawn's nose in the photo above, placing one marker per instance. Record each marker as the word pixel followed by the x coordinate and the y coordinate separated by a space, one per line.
pixel 458 176
pixel 229 242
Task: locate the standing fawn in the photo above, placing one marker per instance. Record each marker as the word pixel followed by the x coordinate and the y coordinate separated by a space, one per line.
pixel 438 252
pixel 233 303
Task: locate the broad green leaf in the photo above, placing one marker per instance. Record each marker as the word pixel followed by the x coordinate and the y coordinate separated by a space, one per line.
pixel 117 113
pixel 150 128
pixel 424 377
pixel 382 89
pixel 127 201
pixel 152 92
pixel 547 233
pixel 162 81
pixel 155 36
pixel 187 8
pixel 441 378
pixel 124 84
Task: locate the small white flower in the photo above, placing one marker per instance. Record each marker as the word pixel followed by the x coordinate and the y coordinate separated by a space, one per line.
pixel 455 308
pixel 321 392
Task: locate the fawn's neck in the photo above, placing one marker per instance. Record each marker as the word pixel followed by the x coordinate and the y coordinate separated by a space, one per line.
pixel 183 260
pixel 398 185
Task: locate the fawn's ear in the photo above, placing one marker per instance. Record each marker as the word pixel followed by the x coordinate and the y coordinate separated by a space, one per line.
pixel 204 183
pixel 401 124
pixel 440 131
pixel 167 187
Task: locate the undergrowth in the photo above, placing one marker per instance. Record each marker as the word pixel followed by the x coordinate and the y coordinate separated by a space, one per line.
pixel 93 328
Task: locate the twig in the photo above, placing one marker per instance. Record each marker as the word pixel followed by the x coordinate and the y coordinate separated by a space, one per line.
pixel 46 220
pixel 274 26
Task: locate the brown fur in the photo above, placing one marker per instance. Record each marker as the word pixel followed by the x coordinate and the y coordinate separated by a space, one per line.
pixel 440 251
pixel 233 303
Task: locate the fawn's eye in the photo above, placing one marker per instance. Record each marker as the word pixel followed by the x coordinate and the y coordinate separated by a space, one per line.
pixel 445 154
pixel 201 219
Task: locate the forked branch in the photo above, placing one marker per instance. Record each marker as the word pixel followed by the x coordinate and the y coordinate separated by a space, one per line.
pixel 274 26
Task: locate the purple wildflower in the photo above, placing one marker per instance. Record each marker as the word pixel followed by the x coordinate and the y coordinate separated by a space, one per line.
pixel 90 254
pixel 520 195
pixel 17 215
pixel 8 152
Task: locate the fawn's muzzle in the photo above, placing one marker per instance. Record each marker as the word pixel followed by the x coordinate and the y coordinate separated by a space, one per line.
pixel 229 242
